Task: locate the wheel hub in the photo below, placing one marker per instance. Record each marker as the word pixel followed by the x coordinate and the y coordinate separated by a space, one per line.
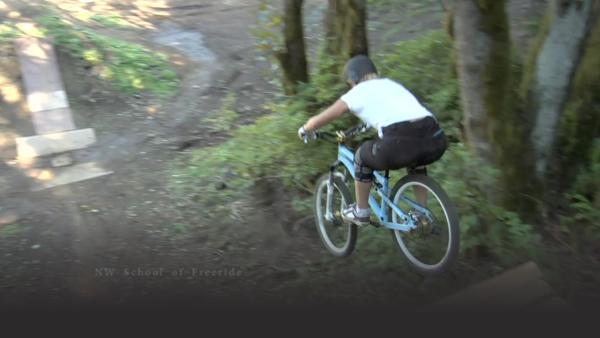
pixel 423 225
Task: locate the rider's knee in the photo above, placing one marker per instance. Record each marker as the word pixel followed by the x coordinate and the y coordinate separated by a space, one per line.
pixel 362 172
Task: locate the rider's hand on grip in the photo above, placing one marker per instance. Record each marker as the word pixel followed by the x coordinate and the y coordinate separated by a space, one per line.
pixel 306 135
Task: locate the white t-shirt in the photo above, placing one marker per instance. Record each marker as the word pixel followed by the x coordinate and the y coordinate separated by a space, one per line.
pixel 382 102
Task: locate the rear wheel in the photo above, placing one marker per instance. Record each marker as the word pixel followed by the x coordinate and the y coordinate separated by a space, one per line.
pixel 338 237
pixel 433 246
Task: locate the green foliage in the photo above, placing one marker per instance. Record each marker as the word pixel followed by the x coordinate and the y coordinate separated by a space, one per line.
pixel 584 218
pixel 425 67
pixel 12 229
pixel 376 250
pixel 268 39
pixel 267 31
pixel 7 32
pixel 223 120
pixel 110 21
pixel 328 84
pixel 486 229
pixel 582 222
pixel 180 227
pixel 131 67
pixel 588 182
pixel 302 204
pixel 267 149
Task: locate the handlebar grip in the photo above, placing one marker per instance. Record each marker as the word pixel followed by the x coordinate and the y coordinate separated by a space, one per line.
pixel 338 136
pixel 356 130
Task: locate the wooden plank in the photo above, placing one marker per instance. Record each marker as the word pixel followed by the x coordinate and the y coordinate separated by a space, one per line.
pixel 54 177
pixel 516 288
pixel 521 296
pixel 41 77
pixel 53 121
pixel 46 96
pixel 509 279
pixel 40 145
pixel 40 101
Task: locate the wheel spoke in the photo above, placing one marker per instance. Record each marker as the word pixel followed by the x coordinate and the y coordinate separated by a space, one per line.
pixel 427 245
pixel 337 236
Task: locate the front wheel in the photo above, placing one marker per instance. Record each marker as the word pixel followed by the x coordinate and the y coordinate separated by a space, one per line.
pixel 433 245
pixel 338 237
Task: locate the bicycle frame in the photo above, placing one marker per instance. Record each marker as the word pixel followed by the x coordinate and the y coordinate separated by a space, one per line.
pixel 382 190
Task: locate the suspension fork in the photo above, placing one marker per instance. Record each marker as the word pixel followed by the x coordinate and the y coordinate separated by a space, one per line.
pixel 330 188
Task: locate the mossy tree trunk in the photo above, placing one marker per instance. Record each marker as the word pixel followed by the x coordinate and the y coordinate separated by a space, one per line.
pixel 293 57
pixel 555 119
pixel 552 73
pixel 580 121
pixel 482 41
pixel 346 29
pixel 332 45
pixel 495 129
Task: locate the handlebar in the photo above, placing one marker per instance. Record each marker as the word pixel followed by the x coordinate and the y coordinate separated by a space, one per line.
pixel 341 136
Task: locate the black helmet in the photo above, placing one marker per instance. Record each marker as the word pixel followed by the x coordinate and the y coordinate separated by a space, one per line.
pixel 359 66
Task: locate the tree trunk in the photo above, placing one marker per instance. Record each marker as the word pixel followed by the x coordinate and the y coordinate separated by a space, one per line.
pixel 331 22
pixel 553 72
pixel 293 58
pixel 346 29
pixel 580 122
pixel 354 36
pixel 495 129
pixel 483 50
pixel 554 120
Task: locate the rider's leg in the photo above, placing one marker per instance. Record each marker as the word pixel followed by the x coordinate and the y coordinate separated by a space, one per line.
pixel 359 213
pixel 420 192
pixel 362 190
pixel 364 175
pixel 421 195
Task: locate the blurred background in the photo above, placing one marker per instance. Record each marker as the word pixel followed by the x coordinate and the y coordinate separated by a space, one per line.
pixel 192 186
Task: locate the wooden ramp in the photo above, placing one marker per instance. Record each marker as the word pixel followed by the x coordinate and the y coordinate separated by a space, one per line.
pixel 521 288
pixel 46 97
pixel 54 177
pixel 52 119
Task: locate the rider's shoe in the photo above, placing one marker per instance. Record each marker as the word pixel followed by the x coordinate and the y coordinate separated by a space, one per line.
pixel 350 215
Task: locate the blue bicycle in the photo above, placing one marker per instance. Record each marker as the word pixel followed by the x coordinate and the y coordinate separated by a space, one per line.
pixel 422 220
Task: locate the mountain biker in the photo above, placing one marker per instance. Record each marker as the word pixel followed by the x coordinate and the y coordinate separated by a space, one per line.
pixel 408 134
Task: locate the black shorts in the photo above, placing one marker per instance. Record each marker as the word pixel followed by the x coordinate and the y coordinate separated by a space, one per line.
pixel 404 144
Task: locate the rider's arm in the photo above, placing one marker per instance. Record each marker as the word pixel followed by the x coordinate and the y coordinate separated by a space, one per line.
pixel 334 111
